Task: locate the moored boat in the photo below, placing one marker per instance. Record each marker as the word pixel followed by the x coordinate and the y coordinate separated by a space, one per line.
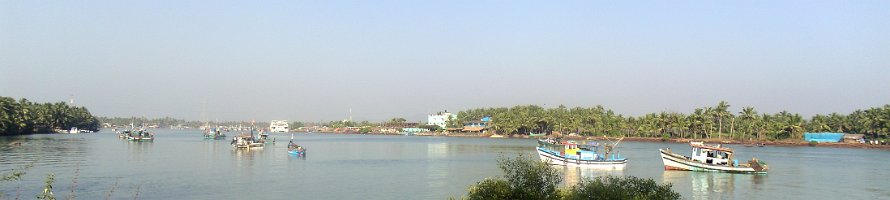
pixel 710 158
pixel 296 150
pixel 246 142
pixel 264 138
pixel 573 154
pixel 140 135
pixel 214 134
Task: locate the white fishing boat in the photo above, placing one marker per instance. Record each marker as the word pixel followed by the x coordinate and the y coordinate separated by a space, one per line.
pixel 710 158
pixel 246 142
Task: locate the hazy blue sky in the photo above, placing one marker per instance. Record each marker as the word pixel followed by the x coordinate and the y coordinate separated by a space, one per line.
pixel 313 60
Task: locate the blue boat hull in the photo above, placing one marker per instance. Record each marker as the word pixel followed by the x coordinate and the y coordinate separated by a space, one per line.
pixel 296 153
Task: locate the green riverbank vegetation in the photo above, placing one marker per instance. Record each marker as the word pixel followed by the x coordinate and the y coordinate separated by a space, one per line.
pixel 712 122
pixel 528 178
pixel 26 117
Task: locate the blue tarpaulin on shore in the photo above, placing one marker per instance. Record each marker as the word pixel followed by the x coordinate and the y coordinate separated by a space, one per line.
pixel 823 137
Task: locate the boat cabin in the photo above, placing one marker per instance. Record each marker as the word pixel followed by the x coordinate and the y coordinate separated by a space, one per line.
pixel 715 155
pixel 573 150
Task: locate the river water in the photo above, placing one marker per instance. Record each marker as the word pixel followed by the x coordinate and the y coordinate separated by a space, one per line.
pixel 180 164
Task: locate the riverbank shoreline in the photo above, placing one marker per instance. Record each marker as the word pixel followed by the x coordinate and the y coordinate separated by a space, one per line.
pixel 751 143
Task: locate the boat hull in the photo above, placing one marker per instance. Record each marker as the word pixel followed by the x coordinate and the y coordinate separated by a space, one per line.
pixel 673 161
pixel 249 146
pixel 296 153
pixel 140 139
pixel 593 164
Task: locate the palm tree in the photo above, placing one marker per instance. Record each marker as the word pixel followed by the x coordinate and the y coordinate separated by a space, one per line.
pixel 748 114
pixel 720 111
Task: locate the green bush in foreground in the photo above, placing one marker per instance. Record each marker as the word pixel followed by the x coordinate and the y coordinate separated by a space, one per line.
pixel 612 187
pixel 528 178
pixel 524 178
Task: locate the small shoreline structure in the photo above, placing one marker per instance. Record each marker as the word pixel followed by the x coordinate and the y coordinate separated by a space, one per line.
pixel 714 158
pixel 570 153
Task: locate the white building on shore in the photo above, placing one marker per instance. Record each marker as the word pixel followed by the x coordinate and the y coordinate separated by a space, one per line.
pixel 440 119
pixel 278 126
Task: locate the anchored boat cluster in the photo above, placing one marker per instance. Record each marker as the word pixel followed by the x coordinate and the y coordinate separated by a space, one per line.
pixel 594 155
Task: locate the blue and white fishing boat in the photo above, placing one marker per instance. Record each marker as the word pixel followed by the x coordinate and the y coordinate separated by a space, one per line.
pixel 297 151
pixel 577 155
pixel 294 149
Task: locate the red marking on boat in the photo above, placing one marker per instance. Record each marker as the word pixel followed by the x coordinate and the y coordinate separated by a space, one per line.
pixel 674 168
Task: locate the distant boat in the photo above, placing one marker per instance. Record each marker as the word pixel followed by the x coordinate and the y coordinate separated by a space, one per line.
pixel 140 136
pixel 246 142
pixel 264 138
pixel 536 134
pixel 496 136
pixel 710 158
pixel 123 134
pixel 250 141
pixel 213 133
pixel 296 150
pixel 73 130
pixel 278 126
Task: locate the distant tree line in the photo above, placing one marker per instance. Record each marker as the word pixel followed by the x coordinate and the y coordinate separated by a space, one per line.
pixel 25 117
pixel 706 122
pixel 169 122
pixel 394 122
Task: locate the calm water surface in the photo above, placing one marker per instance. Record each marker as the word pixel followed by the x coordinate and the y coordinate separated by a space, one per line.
pixel 182 165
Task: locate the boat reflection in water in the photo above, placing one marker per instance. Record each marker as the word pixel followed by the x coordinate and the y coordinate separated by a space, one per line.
pixel 574 175
pixel 712 185
pixel 245 154
pixel 139 150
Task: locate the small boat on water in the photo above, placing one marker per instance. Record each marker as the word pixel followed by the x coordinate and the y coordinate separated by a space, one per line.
pixel 214 134
pixel 296 150
pixel 572 154
pixel 140 135
pixel 249 141
pixel 710 158
pixel 246 142
pixel 264 138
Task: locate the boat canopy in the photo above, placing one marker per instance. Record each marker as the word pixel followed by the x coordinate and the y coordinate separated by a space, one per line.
pixel 703 146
